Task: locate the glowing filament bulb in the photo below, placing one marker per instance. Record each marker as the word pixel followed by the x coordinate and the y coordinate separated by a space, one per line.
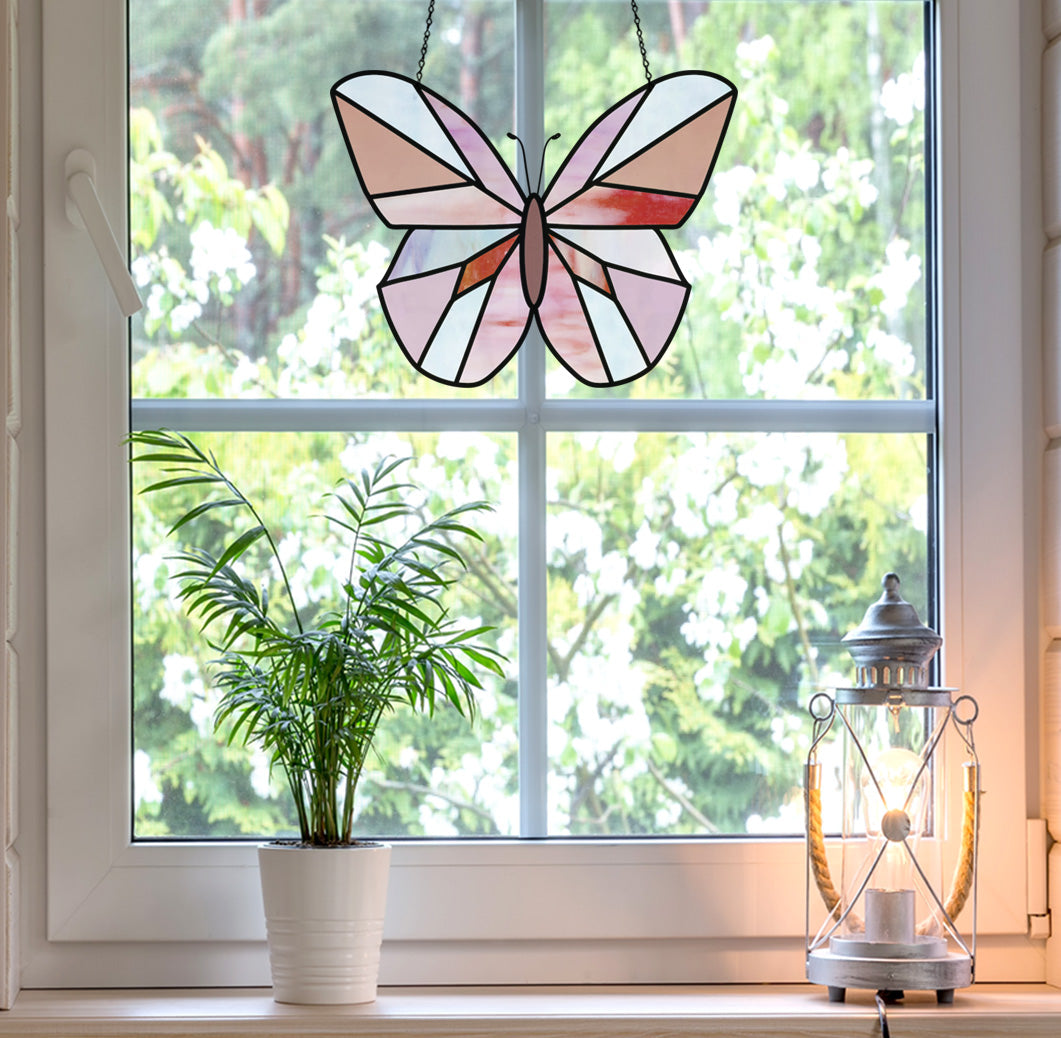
pixel 895 804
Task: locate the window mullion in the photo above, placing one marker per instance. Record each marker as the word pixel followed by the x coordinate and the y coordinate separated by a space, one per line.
pixel 533 705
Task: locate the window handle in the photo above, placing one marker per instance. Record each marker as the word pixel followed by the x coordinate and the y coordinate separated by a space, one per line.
pixel 83 210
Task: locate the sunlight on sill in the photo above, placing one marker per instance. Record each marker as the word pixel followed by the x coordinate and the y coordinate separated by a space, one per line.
pixel 548 1012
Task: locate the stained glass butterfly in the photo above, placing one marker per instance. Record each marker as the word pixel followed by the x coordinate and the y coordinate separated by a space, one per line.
pixel 483 260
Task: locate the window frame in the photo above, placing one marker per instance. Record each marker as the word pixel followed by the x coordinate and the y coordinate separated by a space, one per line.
pixel 469 912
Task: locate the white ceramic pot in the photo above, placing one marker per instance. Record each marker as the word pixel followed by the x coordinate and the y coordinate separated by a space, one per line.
pixel 324 919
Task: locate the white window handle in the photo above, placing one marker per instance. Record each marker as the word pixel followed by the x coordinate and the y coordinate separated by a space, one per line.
pixel 83 209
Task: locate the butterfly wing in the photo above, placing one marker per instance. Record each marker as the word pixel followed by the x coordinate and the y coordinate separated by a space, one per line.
pixel 454 300
pixel 425 166
pixel 614 294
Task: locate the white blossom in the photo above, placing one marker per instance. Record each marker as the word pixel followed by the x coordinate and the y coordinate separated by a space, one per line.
pixel 220 252
pixel 181 682
pixel 145 789
pixel 752 55
pixel 902 97
pixel 901 271
pixel 261 772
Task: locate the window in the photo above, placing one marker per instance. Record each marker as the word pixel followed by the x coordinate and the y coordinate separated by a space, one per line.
pixel 680 616
pixel 472 911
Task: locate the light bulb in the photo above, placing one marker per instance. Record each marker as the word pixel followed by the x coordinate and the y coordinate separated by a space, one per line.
pixel 894 805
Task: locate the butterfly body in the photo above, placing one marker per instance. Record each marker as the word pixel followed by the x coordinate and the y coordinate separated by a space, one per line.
pixel 482 261
pixel 532 251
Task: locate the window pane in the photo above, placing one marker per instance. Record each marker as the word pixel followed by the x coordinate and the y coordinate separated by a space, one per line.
pixel 255 250
pixel 698 586
pixel 807 253
pixel 431 776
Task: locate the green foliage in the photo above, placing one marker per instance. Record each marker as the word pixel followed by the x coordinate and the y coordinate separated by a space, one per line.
pixel 313 696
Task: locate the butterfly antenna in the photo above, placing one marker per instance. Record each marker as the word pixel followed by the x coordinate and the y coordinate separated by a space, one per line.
pixel 541 168
pixel 523 152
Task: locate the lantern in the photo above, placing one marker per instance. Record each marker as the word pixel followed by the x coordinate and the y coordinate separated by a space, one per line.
pixel 889 923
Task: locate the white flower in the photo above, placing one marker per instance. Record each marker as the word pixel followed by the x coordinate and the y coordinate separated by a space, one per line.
pixel 919 514
pixel 572 532
pixel 644 548
pixel 891 351
pixel 184 314
pixel 745 631
pixel 244 373
pixel 611 576
pixel 144 788
pixel 788 820
pixel 801 169
pixel 220 252
pixel 729 188
pixel 754 54
pixel 620 448
pixel 901 271
pixel 903 96
pixel 180 680
pixel 260 772
pixel 143 270
pixel 154 304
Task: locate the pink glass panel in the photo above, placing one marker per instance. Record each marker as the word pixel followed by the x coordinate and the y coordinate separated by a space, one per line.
pixel 566 327
pixel 669 103
pixel 636 249
pixel 586 155
pixel 582 265
pixel 415 307
pixel 428 249
pixel 504 323
pixel 387 162
pixel 676 163
pixel 652 307
pixel 399 102
pixel 478 153
pixel 616 207
pixel 466 206
pixel 485 265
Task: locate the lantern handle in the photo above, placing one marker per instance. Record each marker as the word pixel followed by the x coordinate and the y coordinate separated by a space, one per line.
pixel 961 882
pixel 823 720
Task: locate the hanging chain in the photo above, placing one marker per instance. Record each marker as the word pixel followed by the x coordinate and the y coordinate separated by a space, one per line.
pixel 641 40
pixel 637 26
pixel 427 36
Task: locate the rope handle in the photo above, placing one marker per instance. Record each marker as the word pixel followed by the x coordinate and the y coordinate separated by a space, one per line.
pixel 961 881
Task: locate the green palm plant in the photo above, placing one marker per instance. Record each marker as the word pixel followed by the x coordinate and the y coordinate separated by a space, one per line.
pixel 313 696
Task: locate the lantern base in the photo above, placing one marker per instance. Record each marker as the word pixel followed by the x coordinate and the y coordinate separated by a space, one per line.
pixel 838 972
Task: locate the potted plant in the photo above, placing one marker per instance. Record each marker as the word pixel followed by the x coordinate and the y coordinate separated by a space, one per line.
pixel 311 691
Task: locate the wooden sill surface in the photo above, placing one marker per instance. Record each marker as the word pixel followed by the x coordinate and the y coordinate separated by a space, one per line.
pixel 539 1012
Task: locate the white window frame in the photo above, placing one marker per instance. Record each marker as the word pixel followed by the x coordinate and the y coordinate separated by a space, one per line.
pixel 545 911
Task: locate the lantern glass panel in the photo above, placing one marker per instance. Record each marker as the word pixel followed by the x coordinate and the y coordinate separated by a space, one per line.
pixel 891 835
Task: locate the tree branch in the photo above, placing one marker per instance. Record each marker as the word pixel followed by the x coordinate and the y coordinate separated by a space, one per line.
pixel 427 791
pixel 680 798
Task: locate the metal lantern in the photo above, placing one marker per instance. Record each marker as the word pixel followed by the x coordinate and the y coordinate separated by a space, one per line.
pixel 889 924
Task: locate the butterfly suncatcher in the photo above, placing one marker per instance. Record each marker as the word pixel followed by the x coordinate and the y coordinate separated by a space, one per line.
pixel 482 260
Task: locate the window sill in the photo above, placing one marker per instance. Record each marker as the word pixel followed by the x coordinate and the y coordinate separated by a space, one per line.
pixel 539 1012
